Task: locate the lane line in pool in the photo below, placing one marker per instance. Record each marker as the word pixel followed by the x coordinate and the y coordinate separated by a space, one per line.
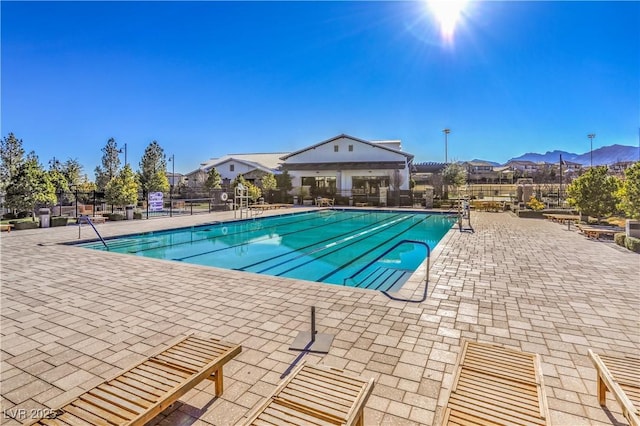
pixel 227 235
pixel 360 234
pixel 179 259
pixel 315 243
pixel 371 250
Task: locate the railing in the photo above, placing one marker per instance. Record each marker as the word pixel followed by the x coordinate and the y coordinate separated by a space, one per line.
pixel 86 219
pixel 399 243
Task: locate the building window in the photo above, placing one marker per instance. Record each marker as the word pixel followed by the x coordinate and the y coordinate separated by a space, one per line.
pixel 231 167
pixel 335 148
pixel 350 148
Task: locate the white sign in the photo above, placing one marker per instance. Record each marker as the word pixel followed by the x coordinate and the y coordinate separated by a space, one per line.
pixel 155 202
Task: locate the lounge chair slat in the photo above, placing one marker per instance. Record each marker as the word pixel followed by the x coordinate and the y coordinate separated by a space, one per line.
pixel 87 416
pixel 279 414
pixel 138 394
pixel 168 373
pixel 127 394
pixel 119 398
pixel 136 384
pixel 107 403
pixel 301 395
pixel 97 410
pixel 187 356
pixel 495 385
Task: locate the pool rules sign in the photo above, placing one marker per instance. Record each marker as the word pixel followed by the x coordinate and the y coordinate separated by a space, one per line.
pixel 155 202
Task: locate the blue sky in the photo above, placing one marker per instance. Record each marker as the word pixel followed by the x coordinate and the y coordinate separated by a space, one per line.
pixel 209 78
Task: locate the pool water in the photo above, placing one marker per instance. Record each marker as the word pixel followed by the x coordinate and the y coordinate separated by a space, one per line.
pixel 368 249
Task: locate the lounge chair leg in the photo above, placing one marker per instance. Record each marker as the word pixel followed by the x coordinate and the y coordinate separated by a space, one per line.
pixel 218 382
pixel 602 392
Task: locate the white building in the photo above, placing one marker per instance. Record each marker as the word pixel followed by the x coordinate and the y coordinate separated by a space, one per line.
pixel 349 166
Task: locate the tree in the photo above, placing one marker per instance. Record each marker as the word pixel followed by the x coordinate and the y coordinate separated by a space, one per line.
pixel 283 181
pixel 214 180
pixel 253 192
pixel 269 183
pixel 153 165
pixel 454 174
pixel 56 177
pixel 11 157
pixel 110 164
pixel 30 186
pixel 629 192
pixel 72 171
pixel 122 190
pixel 594 193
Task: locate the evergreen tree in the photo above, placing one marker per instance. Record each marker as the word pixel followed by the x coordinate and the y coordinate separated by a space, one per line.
pixel 214 180
pixel 629 193
pixel 11 157
pixel 110 164
pixel 152 175
pixel 283 181
pixel 122 190
pixel 594 193
pixel 269 183
pixel 30 186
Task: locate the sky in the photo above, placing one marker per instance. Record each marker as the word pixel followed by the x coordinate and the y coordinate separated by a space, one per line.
pixel 205 79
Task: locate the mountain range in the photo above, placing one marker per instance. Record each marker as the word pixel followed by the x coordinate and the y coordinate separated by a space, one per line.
pixel 605 155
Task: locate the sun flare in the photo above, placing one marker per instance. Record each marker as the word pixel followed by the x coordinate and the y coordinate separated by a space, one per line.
pixel 447 13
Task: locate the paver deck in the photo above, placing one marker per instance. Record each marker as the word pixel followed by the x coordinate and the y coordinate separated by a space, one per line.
pixel 72 317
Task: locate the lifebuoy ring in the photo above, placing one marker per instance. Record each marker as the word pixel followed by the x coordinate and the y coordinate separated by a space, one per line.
pixel 224 196
pixel 224 230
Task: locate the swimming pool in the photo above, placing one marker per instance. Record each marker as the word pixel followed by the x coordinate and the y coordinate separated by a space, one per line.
pixel 376 250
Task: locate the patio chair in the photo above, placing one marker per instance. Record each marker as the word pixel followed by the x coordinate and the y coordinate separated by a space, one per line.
pixel 143 391
pixel 315 394
pixel 620 376
pixel 496 386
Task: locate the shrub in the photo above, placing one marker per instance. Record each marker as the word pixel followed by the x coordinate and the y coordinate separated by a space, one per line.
pixel 633 244
pixel 8 216
pixel 535 204
pixel 22 215
pixel 116 216
pixel 59 221
pixel 25 225
pixel 619 238
pixel 137 215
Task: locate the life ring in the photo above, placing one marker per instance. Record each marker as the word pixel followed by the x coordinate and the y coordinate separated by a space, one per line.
pixel 224 230
pixel 224 196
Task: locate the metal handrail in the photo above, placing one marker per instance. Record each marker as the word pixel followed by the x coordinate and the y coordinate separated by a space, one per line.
pixel 387 252
pixel 86 218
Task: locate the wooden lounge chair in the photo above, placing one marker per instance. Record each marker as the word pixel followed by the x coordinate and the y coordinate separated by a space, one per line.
pixel 496 386
pixel 620 376
pixel 315 395
pixel 137 395
pixel 6 227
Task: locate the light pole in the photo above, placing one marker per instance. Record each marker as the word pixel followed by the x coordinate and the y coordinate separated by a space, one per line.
pixel 446 133
pixel 591 136
pixel 173 173
pixel 125 153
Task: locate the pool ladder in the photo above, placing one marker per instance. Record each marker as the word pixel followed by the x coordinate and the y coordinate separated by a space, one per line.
pixel 392 273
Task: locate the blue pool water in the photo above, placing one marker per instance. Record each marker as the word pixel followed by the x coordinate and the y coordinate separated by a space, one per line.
pixel 367 249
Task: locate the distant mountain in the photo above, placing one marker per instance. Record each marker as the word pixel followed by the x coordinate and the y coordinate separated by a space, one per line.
pixel 602 156
pixel 548 157
pixel 493 163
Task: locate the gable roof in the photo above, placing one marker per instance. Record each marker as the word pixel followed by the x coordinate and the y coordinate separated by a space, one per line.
pixel 381 146
pixel 228 159
pixel 270 160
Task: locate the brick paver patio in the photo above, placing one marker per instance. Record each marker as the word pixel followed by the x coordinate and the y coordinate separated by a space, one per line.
pixel 72 317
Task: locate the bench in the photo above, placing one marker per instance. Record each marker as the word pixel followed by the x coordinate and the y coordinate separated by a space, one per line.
pixel 315 394
pixel 594 232
pixel 620 376
pixel 140 393
pixel 495 385
pixel 6 227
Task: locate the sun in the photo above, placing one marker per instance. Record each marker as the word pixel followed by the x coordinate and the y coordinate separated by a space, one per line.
pixel 447 13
